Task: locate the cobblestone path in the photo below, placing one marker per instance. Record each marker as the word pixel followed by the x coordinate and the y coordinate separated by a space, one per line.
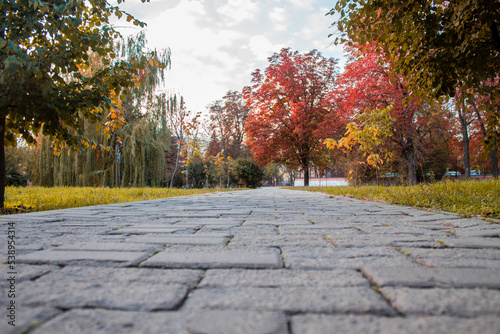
pixel 258 261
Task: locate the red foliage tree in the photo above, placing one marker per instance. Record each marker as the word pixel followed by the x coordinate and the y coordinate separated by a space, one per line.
pixel 367 83
pixel 290 114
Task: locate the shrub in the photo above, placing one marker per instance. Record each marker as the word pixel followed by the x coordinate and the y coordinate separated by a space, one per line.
pixel 247 173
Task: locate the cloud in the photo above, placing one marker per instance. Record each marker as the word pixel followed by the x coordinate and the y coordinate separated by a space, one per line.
pixel 217 44
pixel 278 17
pixel 261 47
pixel 302 4
pixel 237 11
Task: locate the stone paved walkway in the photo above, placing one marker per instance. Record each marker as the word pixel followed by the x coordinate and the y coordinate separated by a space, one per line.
pixel 259 261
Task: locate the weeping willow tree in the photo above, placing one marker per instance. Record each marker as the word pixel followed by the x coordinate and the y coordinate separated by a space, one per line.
pixel 142 137
pixel 55 166
pixel 145 144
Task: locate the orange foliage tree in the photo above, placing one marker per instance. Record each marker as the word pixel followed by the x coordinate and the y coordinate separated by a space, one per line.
pixel 290 114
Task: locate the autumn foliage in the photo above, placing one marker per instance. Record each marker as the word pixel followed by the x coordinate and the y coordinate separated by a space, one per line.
pixel 290 110
pixel 368 84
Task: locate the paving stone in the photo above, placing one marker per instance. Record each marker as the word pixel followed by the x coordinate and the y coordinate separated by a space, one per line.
pixel 295 299
pixel 423 277
pixel 132 295
pixel 345 263
pixel 178 239
pixel 317 323
pixel 119 322
pixel 385 240
pixel 457 257
pixel 474 243
pixel 24 272
pixel 215 221
pixel 453 302
pixel 330 251
pixel 143 230
pixel 212 257
pixel 123 276
pixel 459 263
pixel 483 232
pixel 278 278
pixel 228 321
pixel 337 257
pixel 26 318
pixel 62 256
pixel 456 253
pixel 106 246
pixel 278 240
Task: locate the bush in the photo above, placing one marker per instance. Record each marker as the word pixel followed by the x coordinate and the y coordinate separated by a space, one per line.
pixel 247 173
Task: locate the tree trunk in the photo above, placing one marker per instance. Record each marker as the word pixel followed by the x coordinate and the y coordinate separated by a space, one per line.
pixel 176 165
pixel 465 135
pixel 306 176
pixel 409 155
pixel 412 170
pixel 2 163
pixel 494 160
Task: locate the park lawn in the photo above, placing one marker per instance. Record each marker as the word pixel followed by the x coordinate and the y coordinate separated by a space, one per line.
pixel 467 198
pixel 32 199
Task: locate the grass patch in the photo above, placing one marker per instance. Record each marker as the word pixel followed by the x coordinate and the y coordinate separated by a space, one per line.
pixel 467 198
pixel 32 199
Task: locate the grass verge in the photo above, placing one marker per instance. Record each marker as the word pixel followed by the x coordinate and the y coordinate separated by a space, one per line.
pixel 32 199
pixel 467 198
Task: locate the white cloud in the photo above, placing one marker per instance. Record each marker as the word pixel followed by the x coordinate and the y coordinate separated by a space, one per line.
pixel 278 17
pixel 217 44
pixel 302 3
pixel 261 47
pixel 237 11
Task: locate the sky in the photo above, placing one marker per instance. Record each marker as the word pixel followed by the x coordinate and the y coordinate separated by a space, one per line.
pixel 217 44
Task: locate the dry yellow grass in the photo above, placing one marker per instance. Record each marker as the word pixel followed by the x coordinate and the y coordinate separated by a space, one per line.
pixel 30 199
pixel 469 198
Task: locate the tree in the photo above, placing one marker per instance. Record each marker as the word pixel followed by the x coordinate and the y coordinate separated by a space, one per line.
pixel 223 169
pixel 274 173
pixel 227 123
pixel 369 136
pixel 139 137
pixel 43 46
pixel 438 45
pixel 184 126
pixel 368 84
pixel 247 173
pixel 290 115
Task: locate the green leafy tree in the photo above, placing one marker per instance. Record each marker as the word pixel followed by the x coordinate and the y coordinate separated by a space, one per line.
pixel 439 45
pixel 44 46
pixel 247 173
